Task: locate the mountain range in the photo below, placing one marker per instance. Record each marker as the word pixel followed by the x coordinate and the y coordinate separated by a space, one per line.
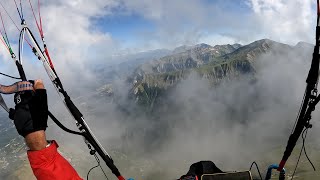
pixel 152 78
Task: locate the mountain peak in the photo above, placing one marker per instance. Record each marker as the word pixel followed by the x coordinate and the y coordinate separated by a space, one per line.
pixel 181 49
pixel 261 41
pixel 302 44
pixel 263 44
pixel 236 45
pixel 202 46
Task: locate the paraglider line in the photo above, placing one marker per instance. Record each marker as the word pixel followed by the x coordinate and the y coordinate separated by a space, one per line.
pixel 9 76
pixel 97 159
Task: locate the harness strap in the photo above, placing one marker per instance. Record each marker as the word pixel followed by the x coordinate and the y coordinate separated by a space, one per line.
pixel 16 87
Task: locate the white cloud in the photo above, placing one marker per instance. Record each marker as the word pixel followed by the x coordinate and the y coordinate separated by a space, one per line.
pixel 286 21
pixel 70 35
pixel 72 39
pixel 217 39
pixel 186 21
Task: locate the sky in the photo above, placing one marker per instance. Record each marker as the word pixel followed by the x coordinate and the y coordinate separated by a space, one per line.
pixel 147 24
pixel 101 28
pixel 167 24
pixel 131 26
pixel 80 33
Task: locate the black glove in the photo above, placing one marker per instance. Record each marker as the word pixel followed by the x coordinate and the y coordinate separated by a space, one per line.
pixel 31 111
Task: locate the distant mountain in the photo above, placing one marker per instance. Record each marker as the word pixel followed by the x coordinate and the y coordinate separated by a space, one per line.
pixel 187 58
pixel 215 63
pixel 124 65
pixel 304 45
pixel 181 49
pixel 151 74
pixel 257 48
pixel 236 45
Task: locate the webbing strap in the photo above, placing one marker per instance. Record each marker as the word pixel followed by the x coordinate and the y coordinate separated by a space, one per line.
pixel 16 87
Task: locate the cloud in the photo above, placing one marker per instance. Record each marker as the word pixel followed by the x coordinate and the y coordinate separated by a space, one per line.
pixel 185 21
pixel 73 42
pixel 190 22
pixel 216 39
pixel 285 21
